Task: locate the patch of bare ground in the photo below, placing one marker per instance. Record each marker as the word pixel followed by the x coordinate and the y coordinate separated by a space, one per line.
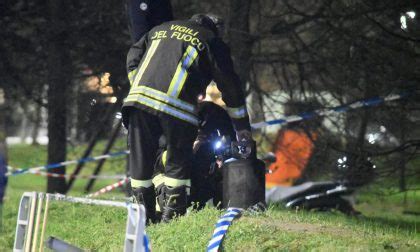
pixel 299 227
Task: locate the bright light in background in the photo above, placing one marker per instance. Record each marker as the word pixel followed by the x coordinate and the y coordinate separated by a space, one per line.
pixel 342 163
pixel 372 138
pixel 411 14
pixel 342 160
pixel 382 129
pixel 403 21
pixel 1 96
pixel 403 18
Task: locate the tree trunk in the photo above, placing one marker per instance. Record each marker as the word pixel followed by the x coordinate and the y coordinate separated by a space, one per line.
pixel 402 155
pixel 36 124
pixel 402 183
pixel 361 135
pixel 3 151
pixel 240 38
pixel 59 79
pixel 23 134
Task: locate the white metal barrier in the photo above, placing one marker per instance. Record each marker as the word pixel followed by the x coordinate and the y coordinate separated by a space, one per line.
pixel 31 211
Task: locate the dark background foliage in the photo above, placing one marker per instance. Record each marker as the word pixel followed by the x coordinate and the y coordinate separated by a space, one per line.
pixel 322 53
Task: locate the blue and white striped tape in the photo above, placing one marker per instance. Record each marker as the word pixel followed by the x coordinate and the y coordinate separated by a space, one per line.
pixel 339 109
pixel 222 226
pixel 146 243
pixel 56 165
pixel 295 118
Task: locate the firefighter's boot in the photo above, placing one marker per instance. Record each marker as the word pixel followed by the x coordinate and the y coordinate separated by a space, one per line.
pixel 175 202
pixel 160 201
pixel 146 197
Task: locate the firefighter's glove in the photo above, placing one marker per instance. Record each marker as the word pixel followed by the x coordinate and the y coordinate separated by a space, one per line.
pixel 244 135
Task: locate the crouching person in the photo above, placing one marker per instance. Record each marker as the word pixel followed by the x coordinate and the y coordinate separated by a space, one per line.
pixel 206 177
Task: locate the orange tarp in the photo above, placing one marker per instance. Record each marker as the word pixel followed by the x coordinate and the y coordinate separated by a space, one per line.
pixel 293 150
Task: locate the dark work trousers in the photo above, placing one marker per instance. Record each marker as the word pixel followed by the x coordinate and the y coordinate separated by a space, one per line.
pixel 144 131
pixel 145 14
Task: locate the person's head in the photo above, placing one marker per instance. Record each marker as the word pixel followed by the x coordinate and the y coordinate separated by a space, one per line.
pixel 210 21
pixel 214 95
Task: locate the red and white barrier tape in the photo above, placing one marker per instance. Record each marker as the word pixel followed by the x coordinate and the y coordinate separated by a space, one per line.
pixel 108 188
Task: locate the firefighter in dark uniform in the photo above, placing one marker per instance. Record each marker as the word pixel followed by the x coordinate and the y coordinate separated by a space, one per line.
pixel 168 68
pixel 143 15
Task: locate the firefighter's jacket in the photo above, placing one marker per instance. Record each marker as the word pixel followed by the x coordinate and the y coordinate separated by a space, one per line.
pixel 173 63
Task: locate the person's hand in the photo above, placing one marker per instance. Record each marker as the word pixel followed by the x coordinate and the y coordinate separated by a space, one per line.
pixel 219 163
pixel 244 135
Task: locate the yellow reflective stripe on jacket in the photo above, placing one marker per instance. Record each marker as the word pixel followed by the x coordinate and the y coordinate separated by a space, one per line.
pixel 158 179
pixel 132 75
pixel 135 183
pixel 146 61
pixel 164 158
pixel 162 107
pixel 177 182
pixel 161 96
pixel 181 73
pixel 237 113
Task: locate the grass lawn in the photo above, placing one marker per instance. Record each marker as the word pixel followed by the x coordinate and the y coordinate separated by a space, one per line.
pixel 382 226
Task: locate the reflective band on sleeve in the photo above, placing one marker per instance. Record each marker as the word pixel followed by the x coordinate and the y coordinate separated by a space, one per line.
pixel 157 105
pixel 131 76
pixel 149 55
pixel 157 205
pixel 161 96
pixel 177 182
pixel 181 72
pixel 140 183
pixel 164 158
pixel 158 180
pixel 237 113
